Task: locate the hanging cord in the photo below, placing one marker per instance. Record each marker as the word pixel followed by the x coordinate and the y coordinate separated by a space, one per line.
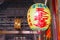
pixel 45 2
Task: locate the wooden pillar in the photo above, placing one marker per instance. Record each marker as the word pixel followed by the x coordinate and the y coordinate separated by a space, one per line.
pixel 57 17
pixel 58 6
pixel 55 10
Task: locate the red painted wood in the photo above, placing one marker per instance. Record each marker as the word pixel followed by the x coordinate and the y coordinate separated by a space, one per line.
pixel 55 33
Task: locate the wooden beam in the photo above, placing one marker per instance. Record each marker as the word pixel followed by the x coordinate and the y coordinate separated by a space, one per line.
pixel 18 32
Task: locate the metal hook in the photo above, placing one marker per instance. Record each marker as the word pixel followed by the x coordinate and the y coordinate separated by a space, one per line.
pixel 45 2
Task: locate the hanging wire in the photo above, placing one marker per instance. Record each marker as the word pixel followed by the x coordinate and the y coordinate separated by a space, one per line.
pixel 45 2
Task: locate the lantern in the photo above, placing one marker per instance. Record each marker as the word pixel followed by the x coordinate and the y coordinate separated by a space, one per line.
pixel 39 17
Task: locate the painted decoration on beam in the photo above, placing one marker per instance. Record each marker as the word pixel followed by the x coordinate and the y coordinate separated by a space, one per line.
pixel 48 33
pixel 17 23
pixel 39 17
